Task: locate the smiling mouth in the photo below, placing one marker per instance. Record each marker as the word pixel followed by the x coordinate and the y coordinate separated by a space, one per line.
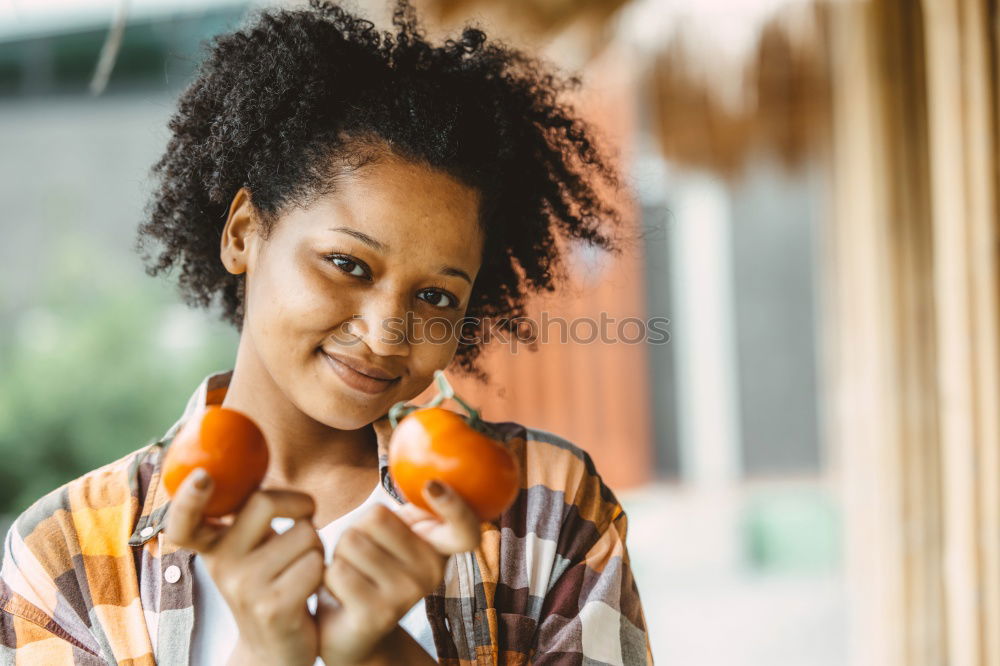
pixel 358 380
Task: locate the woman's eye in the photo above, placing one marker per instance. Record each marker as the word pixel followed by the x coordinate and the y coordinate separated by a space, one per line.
pixel 349 266
pixel 440 299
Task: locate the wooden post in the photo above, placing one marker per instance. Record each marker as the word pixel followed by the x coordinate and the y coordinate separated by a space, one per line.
pixel 861 366
pixel 962 87
pixel 916 363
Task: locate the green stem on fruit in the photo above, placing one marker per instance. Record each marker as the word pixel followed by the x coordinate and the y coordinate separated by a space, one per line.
pixel 399 411
pixel 445 392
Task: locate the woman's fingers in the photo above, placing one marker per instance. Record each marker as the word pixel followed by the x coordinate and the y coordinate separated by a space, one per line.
pixel 280 551
pixel 348 585
pixel 186 524
pixel 394 536
pixel 395 576
pixel 253 523
pixel 303 576
pixel 455 527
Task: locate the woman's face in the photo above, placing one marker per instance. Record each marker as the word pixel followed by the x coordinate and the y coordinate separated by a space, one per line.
pixel 353 302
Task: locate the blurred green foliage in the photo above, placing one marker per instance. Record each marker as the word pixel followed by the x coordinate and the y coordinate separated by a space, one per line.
pixel 101 365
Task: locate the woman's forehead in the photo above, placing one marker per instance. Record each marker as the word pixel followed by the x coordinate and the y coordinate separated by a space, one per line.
pixel 394 205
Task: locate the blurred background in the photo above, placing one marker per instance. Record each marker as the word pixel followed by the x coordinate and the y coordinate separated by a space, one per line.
pixel 810 461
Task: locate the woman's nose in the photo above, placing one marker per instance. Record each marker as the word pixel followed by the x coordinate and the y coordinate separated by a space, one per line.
pixel 385 325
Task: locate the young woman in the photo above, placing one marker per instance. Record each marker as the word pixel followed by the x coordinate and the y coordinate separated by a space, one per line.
pixel 339 190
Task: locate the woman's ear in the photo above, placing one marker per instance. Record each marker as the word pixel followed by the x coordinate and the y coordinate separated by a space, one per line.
pixel 237 235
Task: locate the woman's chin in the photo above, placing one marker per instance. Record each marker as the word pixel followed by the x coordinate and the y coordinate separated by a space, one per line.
pixel 345 409
pixel 349 417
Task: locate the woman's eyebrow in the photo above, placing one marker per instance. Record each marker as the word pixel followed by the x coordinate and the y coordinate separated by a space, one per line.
pixel 364 238
pixel 456 272
pixel 383 248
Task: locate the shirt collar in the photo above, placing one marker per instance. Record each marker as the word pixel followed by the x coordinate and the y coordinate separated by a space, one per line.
pixel 211 391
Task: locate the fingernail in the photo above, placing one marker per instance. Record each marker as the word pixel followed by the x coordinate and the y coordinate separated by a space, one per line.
pixel 201 479
pixel 435 489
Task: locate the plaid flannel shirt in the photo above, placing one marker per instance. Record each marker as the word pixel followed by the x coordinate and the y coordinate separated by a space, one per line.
pixel 89 576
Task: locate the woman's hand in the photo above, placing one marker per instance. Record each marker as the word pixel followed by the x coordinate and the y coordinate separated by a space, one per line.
pixel 265 577
pixel 383 565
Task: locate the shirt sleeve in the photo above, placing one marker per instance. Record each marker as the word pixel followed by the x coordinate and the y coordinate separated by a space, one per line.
pixel 591 612
pixel 30 602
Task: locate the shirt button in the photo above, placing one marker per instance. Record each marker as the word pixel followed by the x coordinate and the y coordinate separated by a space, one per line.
pixel 172 574
pixel 145 532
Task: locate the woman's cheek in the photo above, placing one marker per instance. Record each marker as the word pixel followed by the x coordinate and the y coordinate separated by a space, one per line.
pixel 438 330
pixel 425 359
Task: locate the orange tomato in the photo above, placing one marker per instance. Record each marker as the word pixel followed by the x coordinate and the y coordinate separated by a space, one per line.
pixel 229 446
pixel 436 443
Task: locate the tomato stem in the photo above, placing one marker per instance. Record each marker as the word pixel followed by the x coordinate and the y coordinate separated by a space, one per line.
pixel 445 392
pixel 399 411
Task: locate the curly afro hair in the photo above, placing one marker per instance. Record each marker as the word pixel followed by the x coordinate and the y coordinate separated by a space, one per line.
pixel 276 104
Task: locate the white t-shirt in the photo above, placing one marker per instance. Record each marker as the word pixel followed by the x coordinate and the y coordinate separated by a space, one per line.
pixel 215 633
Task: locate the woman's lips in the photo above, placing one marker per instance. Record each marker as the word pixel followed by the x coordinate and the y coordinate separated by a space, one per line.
pixel 357 380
